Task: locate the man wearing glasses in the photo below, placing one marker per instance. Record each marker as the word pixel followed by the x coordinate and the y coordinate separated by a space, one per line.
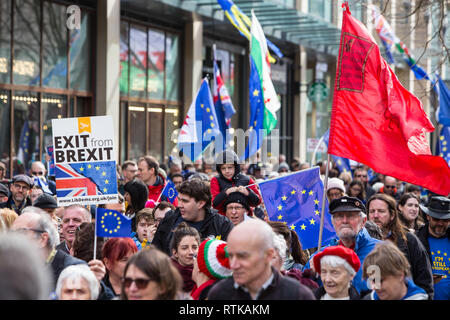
pixel 237 208
pixel 38 170
pixel 390 187
pixel 37 225
pixel 360 174
pixel 20 188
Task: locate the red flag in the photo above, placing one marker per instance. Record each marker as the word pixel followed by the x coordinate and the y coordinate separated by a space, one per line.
pixel 375 120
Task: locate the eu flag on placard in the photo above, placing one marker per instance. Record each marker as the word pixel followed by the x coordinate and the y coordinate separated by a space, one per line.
pixel 296 200
pixel 112 224
pixel 170 191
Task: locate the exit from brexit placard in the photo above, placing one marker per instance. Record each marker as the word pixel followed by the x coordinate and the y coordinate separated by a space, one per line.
pixel 85 160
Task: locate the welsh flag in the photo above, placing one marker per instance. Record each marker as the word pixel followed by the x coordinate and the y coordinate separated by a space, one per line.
pixel 260 55
pixel 264 102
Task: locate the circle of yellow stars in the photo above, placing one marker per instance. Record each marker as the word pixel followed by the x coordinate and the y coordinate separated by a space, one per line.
pixel 102 222
pixel 311 221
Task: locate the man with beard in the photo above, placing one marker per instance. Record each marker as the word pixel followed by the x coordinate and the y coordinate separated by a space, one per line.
pixel 382 210
pixel 20 193
pixel 348 218
pixel 435 236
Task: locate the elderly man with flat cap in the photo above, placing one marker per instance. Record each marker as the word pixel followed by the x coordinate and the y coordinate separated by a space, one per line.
pixel 20 188
pixel 435 236
pixel 348 219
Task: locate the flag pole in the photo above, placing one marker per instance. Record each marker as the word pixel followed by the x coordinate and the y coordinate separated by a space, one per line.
pixel 95 238
pixel 325 185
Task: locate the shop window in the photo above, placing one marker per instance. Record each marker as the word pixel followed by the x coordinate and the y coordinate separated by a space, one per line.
pixel 124 55
pixel 54 46
pixel 27 31
pixel 80 53
pixel 5 127
pixel 5 41
pixel 53 107
pixel 156 65
pixel 155 120
pixel 26 130
pixel 137 131
pixel 171 126
pixel 172 68
pixel 138 61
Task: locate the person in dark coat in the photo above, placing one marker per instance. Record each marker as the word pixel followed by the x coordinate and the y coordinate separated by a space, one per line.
pixel 194 201
pixel 19 197
pixel 435 236
pixel 382 209
pixel 39 227
pixel 230 179
pixel 251 251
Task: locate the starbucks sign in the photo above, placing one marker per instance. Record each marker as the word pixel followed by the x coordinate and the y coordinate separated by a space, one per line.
pixel 318 92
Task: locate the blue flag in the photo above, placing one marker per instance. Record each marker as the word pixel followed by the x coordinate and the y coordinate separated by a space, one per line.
pixel 200 127
pixel 444 143
pixel 256 123
pixel 343 164
pixel 296 200
pixel 443 113
pixel 170 191
pixel 112 224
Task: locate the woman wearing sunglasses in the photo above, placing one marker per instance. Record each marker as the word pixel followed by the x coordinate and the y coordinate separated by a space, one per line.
pixel 150 275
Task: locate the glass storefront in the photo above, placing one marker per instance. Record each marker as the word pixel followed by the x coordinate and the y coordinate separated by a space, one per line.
pixel 45 73
pixel 150 83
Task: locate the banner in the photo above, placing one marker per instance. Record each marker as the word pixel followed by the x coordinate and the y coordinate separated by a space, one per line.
pixel 85 165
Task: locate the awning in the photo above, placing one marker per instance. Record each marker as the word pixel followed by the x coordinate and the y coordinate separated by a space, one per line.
pixel 278 20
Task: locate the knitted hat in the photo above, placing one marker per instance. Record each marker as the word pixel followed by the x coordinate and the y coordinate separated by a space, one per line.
pixel 237 197
pixel 212 259
pixel 336 183
pixel 345 253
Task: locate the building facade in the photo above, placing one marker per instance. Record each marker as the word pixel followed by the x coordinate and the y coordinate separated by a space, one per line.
pixel 142 62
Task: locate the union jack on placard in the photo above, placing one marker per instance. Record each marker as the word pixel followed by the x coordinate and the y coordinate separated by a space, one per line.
pixel 70 183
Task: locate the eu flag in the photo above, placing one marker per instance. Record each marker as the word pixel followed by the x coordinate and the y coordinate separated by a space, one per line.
pixel 296 200
pixel 170 191
pixel 200 127
pixel 112 224
pixel 444 143
pixel 256 123
pixel 443 113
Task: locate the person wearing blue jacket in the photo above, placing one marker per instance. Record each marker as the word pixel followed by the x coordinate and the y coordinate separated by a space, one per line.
pixel 387 270
pixel 348 220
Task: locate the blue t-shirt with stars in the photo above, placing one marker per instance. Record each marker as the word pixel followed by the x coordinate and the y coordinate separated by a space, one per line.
pixel 440 256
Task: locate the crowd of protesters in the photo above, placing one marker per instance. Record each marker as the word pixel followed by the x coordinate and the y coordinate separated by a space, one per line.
pixel 216 241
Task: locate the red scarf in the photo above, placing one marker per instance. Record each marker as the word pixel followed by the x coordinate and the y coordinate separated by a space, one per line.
pixel 195 293
pixel 186 274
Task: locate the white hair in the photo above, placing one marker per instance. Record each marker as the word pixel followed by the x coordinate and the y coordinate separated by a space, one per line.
pixel 46 224
pixel 280 245
pixel 335 261
pixel 75 272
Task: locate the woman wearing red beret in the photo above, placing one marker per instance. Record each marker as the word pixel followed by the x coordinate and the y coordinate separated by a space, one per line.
pixel 337 265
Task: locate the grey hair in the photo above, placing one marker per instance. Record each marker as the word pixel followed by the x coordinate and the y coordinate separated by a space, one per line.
pixel 24 275
pixel 79 271
pixel 335 261
pixel 280 246
pixel 46 224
